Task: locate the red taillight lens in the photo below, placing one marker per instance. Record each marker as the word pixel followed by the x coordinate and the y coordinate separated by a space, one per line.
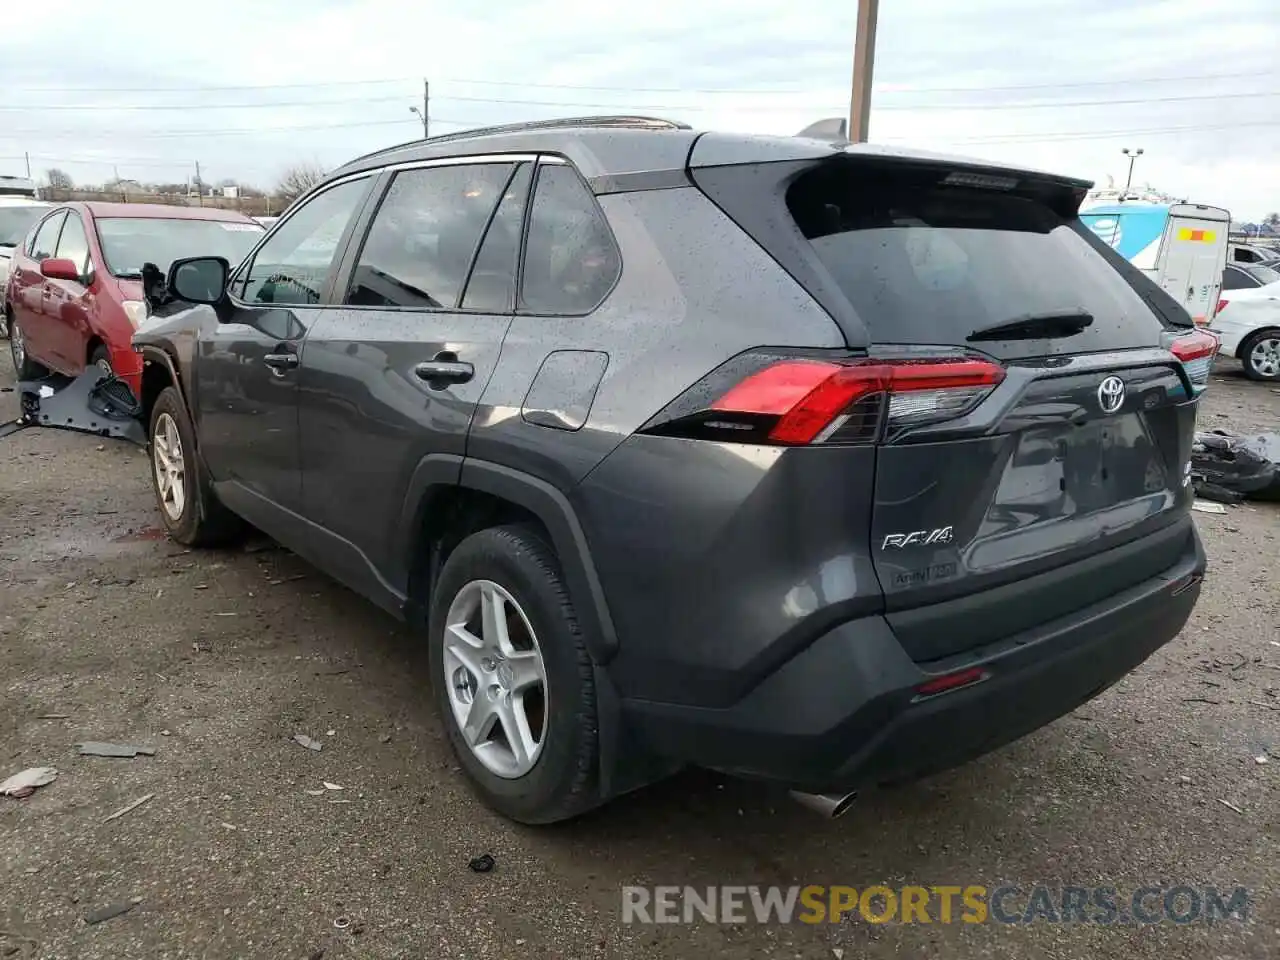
pixel 1196 351
pixel 1222 305
pixel 800 401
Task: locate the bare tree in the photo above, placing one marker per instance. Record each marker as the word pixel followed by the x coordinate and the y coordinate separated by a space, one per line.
pixel 59 179
pixel 297 180
pixel 1272 220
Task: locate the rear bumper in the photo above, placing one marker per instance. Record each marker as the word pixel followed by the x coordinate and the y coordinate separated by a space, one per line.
pixel 844 714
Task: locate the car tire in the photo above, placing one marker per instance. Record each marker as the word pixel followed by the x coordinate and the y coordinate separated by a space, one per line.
pixel 23 365
pixel 101 357
pixel 1260 355
pixel 561 780
pixel 191 511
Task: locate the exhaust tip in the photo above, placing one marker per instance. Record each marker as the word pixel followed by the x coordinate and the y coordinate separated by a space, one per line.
pixel 829 805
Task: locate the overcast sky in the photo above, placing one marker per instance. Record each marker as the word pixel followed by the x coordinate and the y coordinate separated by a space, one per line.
pixel 1056 84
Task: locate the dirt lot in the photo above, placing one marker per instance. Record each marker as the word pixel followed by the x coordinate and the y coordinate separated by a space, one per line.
pixel 217 659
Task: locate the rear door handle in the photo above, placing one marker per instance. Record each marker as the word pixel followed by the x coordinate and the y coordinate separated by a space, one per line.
pixel 280 362
pixel 439 373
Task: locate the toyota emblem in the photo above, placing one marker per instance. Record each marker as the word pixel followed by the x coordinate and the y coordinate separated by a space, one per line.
pixel 1111 394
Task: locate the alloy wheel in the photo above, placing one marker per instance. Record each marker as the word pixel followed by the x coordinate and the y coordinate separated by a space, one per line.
pixel 497 681
pixel 1265 357
pixel 17 347
pixel 170 467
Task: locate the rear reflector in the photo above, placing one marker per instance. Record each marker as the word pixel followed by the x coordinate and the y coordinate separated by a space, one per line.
pixel 951 681
pixel 1196 351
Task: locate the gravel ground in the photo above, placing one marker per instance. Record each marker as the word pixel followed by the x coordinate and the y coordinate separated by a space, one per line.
pixel 216 659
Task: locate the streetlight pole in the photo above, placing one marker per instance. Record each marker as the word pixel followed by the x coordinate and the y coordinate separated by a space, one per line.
pixel 1133 155
pixel 864 54
pixel 424 111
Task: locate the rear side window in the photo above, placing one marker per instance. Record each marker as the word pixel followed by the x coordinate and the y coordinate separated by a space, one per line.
pixel 923 263
pixel 46 239
pixel 571 261
pixel 1234 279
pixel 424 235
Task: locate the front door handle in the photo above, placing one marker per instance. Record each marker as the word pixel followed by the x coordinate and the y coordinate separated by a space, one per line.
pixel 280 362
pixel 444 370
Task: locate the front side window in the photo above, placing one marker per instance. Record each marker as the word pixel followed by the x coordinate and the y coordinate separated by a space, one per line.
pixel 422 240
pixel 571 260
pixel 293 266
pixel 492 286
pixel 73 245
pixel 129 242
pixel 46 239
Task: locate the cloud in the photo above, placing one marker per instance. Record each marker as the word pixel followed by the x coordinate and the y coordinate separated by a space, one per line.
pixel 1034 84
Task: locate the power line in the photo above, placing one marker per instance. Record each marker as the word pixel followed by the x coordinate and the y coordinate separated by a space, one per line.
pixel 749 108
pixel 881 88
pixel 10 134
pixel 895 107
pixel 1033 138
pixel 41 107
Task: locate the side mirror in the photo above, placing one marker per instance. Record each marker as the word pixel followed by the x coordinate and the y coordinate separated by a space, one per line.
pixel 58 269
pixel 199 279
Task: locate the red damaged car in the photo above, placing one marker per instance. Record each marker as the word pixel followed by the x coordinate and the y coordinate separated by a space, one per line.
pixel 74 295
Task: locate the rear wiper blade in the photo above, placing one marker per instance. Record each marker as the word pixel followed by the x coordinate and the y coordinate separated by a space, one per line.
pixel 1033 326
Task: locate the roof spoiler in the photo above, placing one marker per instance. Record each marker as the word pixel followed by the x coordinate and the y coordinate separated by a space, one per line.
pixel 831 129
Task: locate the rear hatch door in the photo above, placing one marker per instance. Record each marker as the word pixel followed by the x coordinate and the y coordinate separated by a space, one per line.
pixel 1057 477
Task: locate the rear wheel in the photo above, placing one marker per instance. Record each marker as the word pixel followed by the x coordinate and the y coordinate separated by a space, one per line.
pixel 512 678
pixel 1260 354
pixel 101 358
pixel 188 506
pixel 23 365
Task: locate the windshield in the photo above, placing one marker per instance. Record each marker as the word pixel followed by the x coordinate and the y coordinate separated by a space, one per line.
pixel 1263 274
pixel 15 221
pixel 129 242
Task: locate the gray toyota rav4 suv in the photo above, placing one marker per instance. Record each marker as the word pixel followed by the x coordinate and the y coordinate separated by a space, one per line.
pixel 804 461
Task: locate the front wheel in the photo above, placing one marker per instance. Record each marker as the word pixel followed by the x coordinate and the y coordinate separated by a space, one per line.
pixel 512 679
pixel 1260 354
pixel 189 508
pixel 23 365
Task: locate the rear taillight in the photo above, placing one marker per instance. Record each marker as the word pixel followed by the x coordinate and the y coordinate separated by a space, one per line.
pixel 1222 305
pixel 796 401
pixel 1196 351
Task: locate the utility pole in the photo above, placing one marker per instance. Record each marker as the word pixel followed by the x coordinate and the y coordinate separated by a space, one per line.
pixel 28 159
pixel 424 112
pixel 199 187
pixel 864 55
pixel 1133 155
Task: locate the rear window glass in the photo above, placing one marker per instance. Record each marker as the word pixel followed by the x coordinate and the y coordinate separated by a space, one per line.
pixel 923 263
pixel 1263 274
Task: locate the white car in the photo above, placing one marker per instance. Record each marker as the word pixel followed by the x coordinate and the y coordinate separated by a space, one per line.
pixel 1248 322
pixel 17 214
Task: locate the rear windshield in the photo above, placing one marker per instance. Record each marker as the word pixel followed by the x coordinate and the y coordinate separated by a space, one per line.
pixel 923 263
pixel 15 221
pixel 129 242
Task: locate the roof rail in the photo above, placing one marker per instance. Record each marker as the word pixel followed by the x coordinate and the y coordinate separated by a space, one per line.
pixel 621 122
